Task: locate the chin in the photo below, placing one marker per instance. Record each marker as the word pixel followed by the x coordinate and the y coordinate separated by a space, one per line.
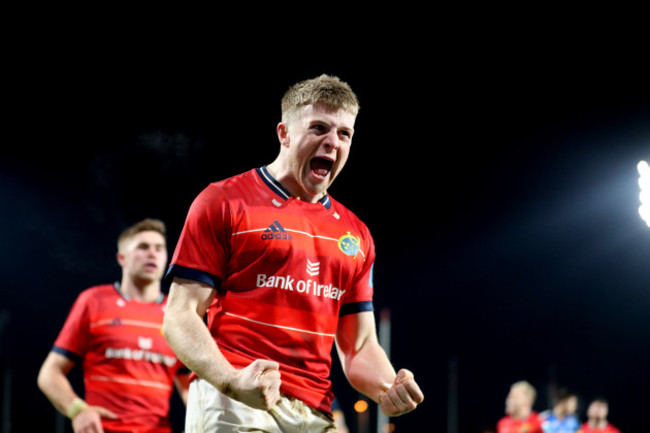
pixel 150 278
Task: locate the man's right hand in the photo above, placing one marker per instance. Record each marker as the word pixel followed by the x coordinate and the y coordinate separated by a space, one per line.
pixel 257 385
pixel 89 419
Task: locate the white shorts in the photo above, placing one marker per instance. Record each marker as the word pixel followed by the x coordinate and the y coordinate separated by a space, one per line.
pixel 210 411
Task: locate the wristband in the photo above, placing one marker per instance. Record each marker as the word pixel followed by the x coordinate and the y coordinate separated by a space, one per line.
pixel 77 406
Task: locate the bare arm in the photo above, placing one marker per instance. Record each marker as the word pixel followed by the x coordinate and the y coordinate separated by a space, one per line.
pixel 257 385
pixel 369 370
pixel 53 382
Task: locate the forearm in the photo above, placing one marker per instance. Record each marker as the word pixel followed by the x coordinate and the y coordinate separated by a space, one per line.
pixel 257 384
pixel 56 386
pixel 188 336
pixel 369 370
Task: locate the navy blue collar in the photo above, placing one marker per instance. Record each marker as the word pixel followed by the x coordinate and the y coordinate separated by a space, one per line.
pixel 116 285
pixel 280 190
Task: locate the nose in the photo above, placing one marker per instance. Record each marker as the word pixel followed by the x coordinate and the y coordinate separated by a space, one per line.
pixel 332 141
pixel 153 251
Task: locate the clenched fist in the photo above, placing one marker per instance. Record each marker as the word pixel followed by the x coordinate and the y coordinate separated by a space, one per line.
pixel 402 396
pixel 257 385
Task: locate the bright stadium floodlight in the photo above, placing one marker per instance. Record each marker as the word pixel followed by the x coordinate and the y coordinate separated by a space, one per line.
pixel 644 195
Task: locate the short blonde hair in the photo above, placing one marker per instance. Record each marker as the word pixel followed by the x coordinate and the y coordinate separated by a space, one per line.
pixel 326 90
pixel 528 389
pixel 146 225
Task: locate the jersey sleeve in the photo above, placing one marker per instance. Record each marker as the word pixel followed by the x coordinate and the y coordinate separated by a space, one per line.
pixel 73 337
pixel 201 251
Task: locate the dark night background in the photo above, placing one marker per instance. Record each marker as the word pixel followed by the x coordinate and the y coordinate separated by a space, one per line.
pixel 498 177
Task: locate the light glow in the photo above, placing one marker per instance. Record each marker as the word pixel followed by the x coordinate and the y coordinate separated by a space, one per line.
pixel 644 195
pixel 361 406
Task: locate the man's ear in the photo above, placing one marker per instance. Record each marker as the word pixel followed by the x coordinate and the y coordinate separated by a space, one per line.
pixel 283 134
pixel 120 258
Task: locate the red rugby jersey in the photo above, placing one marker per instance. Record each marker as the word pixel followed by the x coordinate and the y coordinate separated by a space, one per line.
pixel 284 270
pixel 607 429
pixel 532 424
pixel 128 367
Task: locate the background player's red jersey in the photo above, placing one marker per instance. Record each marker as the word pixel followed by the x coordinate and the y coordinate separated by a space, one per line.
pixel 531 424
pixel 284 270
pixel 128 367
pixel 607 429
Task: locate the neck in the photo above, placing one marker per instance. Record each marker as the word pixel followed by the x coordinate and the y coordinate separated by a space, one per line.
pixel 143 291
pixel 283 175
pixel 522 414
pixel 597 423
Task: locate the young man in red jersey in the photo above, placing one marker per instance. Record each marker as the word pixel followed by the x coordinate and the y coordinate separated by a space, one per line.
pixel 115 332
pixel 284 272
pixel 520 417
pixel 597 422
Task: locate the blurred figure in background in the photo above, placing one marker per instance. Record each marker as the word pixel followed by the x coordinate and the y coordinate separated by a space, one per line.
pixel 563 417
pixel 339 416
pixel 520 417
pixel 114 331
pixel 597 418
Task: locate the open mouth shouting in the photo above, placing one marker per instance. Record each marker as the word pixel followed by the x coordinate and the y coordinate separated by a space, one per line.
pixel 321 167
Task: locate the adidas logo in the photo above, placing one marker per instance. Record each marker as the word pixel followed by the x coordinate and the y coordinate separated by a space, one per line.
pixel 275 231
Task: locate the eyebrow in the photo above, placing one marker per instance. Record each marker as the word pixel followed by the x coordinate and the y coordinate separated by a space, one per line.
pixel 324 122
pixel 157 244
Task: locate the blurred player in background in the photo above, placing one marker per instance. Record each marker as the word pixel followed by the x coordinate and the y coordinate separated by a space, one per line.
pixel 563 418
pixel 520 417
pixel 597 422
pixel 339 417
pixel 114 331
